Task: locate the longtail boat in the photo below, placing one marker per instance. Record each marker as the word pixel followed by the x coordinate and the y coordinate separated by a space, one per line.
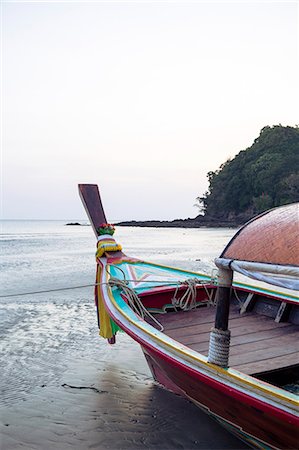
pixel 230 348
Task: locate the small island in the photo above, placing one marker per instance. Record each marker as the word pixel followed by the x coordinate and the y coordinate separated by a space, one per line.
pixel 73 224
pixel 258 178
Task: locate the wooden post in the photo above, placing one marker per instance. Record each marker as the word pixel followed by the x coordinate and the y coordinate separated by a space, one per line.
pixel 225 278
pixel 220 334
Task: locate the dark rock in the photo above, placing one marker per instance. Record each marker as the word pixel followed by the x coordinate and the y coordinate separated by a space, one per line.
pixel 198 222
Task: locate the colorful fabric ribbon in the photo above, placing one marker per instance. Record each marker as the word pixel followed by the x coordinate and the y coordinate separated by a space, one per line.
pixel 107 326
pixel 107 244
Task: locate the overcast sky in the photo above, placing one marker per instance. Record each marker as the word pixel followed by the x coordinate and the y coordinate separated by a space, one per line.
pixel 142 98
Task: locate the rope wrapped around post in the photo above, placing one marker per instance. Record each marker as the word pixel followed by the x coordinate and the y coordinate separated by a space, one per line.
pixel 220 334
pixel 219 347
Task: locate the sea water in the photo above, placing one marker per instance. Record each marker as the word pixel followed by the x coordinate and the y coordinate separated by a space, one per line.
pixel 61 385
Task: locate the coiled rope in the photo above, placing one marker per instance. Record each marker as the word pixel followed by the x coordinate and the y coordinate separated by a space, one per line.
pixel 188 300
pixel 133 300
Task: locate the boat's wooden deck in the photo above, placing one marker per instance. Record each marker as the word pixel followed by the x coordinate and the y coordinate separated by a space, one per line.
pixel 258 343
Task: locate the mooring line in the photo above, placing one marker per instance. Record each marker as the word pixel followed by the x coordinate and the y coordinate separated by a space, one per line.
pixel 174 282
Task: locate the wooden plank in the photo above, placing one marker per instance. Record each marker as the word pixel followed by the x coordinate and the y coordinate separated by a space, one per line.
pixel 266 345
pixel 255 336
pixel 243 338
pixel 237 320
pixel 238 326
pixel 261 355
pixel 283 312
pixel 179 333
pixel 268 364
pixel 250 319
pixel 256 327
pixel 201 347
pixel 258 343
pixel 202 344
pixel 248 303
pixel 181 319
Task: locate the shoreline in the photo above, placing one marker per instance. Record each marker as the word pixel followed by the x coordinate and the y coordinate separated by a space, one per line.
pixel 197 222
pixel 181 223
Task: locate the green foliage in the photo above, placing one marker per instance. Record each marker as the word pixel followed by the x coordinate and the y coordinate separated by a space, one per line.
pixel 263 176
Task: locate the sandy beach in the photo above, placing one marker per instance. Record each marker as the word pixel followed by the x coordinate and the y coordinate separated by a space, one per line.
pixel 62 386
pixel 106 399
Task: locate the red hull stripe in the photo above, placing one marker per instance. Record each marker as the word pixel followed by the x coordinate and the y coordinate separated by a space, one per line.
pixel 240 396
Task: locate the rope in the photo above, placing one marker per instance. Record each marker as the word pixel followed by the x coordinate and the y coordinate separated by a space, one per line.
pixel 50 290
pixel 188 300
pixel 219 347
pixel 133 300
pixel 81 287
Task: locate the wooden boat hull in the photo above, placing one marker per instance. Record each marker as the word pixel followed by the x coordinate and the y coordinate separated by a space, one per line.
pixel 259 427
pixel 262 414
pixel 257 415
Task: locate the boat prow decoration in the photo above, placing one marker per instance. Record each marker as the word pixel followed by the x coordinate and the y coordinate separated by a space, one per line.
pixel 230 348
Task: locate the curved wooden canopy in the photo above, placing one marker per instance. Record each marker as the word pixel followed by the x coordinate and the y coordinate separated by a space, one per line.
pixel 272 237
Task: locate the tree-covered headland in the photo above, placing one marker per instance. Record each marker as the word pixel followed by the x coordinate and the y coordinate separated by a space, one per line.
pixel 263 176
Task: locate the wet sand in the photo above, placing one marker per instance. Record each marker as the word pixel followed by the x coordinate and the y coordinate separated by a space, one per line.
pixel 106 399
pixel 61 386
